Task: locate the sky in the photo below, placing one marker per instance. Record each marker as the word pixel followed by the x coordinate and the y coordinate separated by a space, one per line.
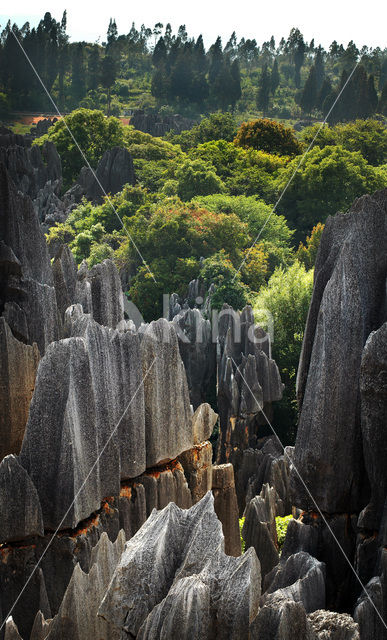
pixel 340 20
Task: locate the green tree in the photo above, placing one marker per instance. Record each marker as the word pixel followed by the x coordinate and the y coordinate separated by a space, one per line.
pixel 268 135
pixel 263 93
pixel 306 255
pixel 196 177
pixel 328 181
pixel 309 93
pixel 219 270
pixel 108 77
pixel 274 78
pixel 94 134
pixel 287 298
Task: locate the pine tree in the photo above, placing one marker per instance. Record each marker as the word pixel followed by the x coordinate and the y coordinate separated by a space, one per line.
pixel 235 86
pixel 78 75
pixel 309 93
pixel 263 93
pixel 274 78
pixel 108 76
pixel 93 68
pixel 159 56
pixel 382 106
pixel 319 68
pixel 372 95
pixel 326 89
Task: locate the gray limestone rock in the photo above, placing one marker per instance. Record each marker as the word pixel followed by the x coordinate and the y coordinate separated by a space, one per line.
pixel 18 366
pixel 197 465
pixel 281 620
pixel 77 617
pixel 248 381
pixel 11 630
pixel 203 422
pixel 64 270
pixel 300 578
pixel 177 555
pixel 328 625
pixel 41 627
pixel 88 405
pixel 198 352
pixel 348 303
pixel 21 514
pixel 99 291
pixel 373 387
pixel 27 296
pixel 168 424
pixel 259 529
pixel 226 507
pixel 114 170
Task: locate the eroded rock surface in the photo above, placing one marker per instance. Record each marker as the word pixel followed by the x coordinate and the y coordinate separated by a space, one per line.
pixel 175 569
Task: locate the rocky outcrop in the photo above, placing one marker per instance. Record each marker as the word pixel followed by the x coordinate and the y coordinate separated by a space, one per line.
pixel 197 465
pixel 328 625
pixel 31 168
pixel 65 271
pixel 248 381
pixel 88 406
pixel 281 620
pixel 259 529
pixel 27 295
pixel 159 125
pixel 300 578
pixel 373 388
pixel 268 463
pixel 114 170
pixel 226 507
pixel 99 292
pixel 36 172
pixel 174 574
pixel 348 303
pixel 198 352
pixel 168 424
pixel 19 503
pixel 77 616
pixel 18 366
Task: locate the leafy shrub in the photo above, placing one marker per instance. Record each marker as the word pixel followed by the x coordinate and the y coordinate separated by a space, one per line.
pixel 268 135
pixel 94 134
pixel 282 527
pixel 243 543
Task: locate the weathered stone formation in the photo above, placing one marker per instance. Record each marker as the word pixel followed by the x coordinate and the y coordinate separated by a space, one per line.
pixel 18 366
pixel 268 463
pixel 259 528
pixel 27 295
pixel 114 170
pixel 159 125
pixel 36 172
pixel 174 575
pixel 340 450
pixel 99 292
pixel 226 507
pixel 198 352
pixel 197 461
pixel 77 616
pixel 248 381
pixel 42 127
pixel 21 514
pixel 100 379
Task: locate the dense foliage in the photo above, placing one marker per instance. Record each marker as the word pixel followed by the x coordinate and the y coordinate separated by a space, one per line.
pixel 156 68
pixel 286 297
